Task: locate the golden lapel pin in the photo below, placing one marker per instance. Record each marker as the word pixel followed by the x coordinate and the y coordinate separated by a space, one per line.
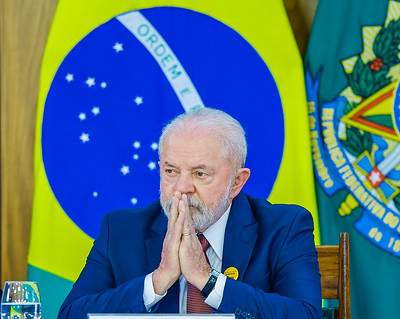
pixel 232 272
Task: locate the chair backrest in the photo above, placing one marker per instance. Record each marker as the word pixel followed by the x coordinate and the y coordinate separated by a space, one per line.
pixel 334 266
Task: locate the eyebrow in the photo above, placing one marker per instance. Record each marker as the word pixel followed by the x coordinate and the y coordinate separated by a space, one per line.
pixel 201 166
pixel 169 164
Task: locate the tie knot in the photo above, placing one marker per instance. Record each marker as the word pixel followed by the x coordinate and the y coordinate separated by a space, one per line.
pixel 203 242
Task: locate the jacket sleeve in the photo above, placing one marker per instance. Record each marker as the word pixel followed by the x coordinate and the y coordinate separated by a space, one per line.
pixel 296 280
pixel 95 290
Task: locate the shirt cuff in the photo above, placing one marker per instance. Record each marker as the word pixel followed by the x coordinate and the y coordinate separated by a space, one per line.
pixel 215 297
pixel 150 298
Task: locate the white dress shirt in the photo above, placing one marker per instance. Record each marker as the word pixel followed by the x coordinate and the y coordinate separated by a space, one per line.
pixel 215 235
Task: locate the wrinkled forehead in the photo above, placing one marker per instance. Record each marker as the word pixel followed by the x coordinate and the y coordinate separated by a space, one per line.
pixel 198 144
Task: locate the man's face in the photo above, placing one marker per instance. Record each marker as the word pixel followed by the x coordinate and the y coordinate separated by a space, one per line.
pixel 192 163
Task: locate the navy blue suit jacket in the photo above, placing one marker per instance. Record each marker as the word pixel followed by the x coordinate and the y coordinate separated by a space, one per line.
pixel 272 246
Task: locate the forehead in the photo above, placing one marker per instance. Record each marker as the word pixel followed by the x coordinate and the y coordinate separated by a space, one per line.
pixel 193 147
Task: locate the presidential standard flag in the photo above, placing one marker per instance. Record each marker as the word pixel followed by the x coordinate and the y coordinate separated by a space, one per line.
pixel 353 69
pixel 114 73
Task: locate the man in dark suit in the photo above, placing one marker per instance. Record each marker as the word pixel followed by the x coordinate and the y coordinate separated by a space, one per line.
pixel 205 247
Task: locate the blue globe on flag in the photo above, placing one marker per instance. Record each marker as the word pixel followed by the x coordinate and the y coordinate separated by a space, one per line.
pixel 124 81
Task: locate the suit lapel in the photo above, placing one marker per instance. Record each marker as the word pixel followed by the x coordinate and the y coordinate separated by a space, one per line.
pixel 240 236
pixel 155 241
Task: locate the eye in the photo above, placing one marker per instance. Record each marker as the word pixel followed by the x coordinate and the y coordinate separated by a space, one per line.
pixel 200 174
pixel 169 171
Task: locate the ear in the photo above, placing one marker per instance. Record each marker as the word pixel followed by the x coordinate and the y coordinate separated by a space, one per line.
pixel 242 175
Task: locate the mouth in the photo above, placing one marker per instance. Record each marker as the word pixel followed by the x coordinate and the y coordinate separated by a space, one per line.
pixel 194 210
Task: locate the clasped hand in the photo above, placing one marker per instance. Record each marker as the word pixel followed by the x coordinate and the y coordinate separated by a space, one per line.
pixel 182 252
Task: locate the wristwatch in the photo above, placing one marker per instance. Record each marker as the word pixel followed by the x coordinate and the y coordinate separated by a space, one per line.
pixel 212 280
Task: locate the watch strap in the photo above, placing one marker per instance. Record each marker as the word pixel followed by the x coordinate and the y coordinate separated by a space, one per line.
pixel 210 285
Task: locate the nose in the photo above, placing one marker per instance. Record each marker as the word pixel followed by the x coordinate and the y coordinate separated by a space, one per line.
pixel 184 184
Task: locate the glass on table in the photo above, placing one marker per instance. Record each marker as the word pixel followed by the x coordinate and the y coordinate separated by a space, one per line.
pixel 20 300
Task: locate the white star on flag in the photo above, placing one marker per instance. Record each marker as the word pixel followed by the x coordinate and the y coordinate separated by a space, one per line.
pixel 95 110
pixel 84 137
pixel 82 116
pixel 95 194
pixel 103 85
pixel 124 170
pixel 151 165
pixel 134 200
pixel 136 144
pixel 69 77
pixel 90 81
pixel 118 47
pixel 135 156
pixel 138 100
pixel 154 146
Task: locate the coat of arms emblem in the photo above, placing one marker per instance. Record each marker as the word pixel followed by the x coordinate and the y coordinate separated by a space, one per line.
pixel 356 136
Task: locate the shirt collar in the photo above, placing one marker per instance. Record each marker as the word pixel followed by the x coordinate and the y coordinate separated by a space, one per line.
pixel 215 234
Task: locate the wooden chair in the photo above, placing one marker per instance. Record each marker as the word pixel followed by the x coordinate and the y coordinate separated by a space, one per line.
pixel 334 265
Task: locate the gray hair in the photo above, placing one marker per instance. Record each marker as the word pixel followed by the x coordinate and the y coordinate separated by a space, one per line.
pixel 227 129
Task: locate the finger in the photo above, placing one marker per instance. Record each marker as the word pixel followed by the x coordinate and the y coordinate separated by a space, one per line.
pixel 189 220
pixel 173 214
pixel 184 208
pixel 189 227
pixel 178 229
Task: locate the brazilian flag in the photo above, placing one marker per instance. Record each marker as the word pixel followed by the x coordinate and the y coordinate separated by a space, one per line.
pixel 115 72
pixel 352 65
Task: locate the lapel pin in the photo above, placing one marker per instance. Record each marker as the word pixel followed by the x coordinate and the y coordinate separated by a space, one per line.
pixel 232 272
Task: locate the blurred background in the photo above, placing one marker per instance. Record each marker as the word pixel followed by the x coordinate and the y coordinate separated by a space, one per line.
pixel 24 30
